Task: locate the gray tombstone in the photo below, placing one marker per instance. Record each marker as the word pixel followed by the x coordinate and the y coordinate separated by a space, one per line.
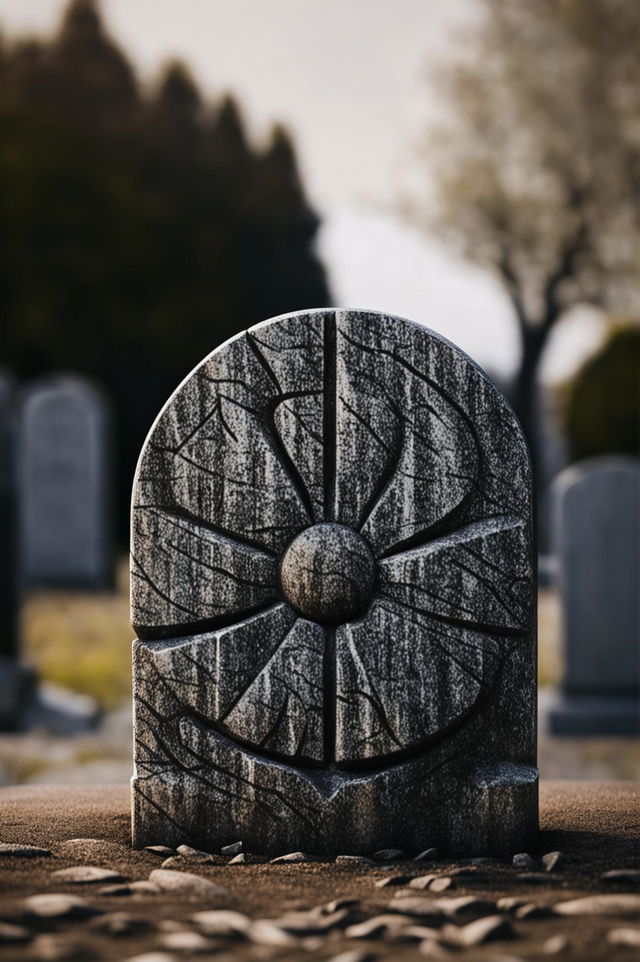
pixel 64 486
pixel 598 545
pixel 332 587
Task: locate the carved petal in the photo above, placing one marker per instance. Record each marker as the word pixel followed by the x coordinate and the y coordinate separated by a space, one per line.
pixel 407 456
pixel 479 576
pixel 403 679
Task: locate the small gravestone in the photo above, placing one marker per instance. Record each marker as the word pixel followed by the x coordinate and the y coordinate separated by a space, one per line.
pixel 598 545
pixel 333 592
pixel 64 483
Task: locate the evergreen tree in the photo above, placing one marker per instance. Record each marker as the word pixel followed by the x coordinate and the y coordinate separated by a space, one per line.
pixel 137 232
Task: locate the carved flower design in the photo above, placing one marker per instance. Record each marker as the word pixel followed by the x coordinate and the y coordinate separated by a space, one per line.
pixel 331 527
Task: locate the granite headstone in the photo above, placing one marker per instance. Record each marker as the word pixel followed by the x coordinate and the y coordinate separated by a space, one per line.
pixel 597 526
pixel 64 486
pixel 333 592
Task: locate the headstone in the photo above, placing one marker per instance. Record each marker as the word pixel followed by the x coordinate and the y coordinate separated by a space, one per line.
pixel 598 545
pixel 64 486
pixel 16 681
pixel 332 588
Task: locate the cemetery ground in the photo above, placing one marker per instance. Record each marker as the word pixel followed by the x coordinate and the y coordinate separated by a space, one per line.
pixel 81 641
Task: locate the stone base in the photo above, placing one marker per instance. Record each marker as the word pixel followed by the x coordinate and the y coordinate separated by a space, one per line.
pixel 583 715
pixel 490 810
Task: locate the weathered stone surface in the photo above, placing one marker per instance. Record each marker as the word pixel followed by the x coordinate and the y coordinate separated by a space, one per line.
pixel 598 535
pixel 63 470
pixel 333 592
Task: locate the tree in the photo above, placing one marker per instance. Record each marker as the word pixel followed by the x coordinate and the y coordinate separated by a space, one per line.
pixel 139 230
pixel 536 162
pixel 602 412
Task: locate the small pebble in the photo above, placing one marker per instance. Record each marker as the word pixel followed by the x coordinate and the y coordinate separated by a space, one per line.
pixel 239 859
pixel 188 852
pixel 264 932
pixel 153 957
pixel 429 855
pixel 531 911
pixel 492 928
pixel 423 908
pixel 510 903
pixel 442 884
pixel 422 881
pixel 391 880
pixel 467 907
pixel 378 926
pixel 222 922
pixel 23 851
pixel 143 887
pixel 115 890
pixel 629 937
pixel 55 906
pixel 293 857
pixel 328 908
pixel 187 942
pixel 13 933
pixel 555 945
pixel 523 860
pixel 185 883
pixel 552 861
pixel 354 860
pixel 92 874
pixel 120 923
pixel 624 876
pixel 58 948
pixel 601 905
pixel 234 849
pixel 389 854
pixel 159 850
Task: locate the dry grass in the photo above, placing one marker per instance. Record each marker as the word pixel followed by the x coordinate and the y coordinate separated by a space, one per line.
pixel 82 641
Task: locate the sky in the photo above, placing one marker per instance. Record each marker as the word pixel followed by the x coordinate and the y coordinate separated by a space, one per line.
pixel 349 78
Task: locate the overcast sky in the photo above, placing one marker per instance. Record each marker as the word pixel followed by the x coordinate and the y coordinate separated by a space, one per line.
pixel 348 78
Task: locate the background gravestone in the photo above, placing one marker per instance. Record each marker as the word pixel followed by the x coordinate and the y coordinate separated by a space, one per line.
pixel 16 681
pixel 65 536
pixel 332 586
pixel 598 531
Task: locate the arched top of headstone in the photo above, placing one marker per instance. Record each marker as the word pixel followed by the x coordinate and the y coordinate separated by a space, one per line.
pixel 346 475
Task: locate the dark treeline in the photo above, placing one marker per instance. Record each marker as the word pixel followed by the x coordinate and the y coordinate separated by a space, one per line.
pixel 138 229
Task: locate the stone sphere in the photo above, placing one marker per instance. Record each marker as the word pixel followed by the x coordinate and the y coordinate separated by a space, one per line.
pixel 328 573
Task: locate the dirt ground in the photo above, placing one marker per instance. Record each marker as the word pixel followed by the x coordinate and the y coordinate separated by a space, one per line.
pixel 595 825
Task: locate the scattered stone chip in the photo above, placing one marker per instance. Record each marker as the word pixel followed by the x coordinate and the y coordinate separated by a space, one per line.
pixel 159 850
pixel 424 909
pixel 492 928
pixel 224 923
pixel 378 926
pixel 354 860
pixel 87 874
pixel 290 857
pixel 624 876
pixel 238 859
pixel 629 937
pixel 187 942
pixel 185 883
pixel 553 861
pixel 555 944
pixel 234 849
pixel 22 851
pixel 56 906
pixel 392 880
pixel 389 854
pixel 601 905
pixel 523 860
pixel 429 855
pixel 10 934
pixel 466 907
pixel 531 911
pixel 509 903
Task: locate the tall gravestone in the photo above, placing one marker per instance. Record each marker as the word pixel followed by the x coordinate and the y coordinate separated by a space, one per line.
pixel 332 588
pixel 64 486
pixel 597 523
